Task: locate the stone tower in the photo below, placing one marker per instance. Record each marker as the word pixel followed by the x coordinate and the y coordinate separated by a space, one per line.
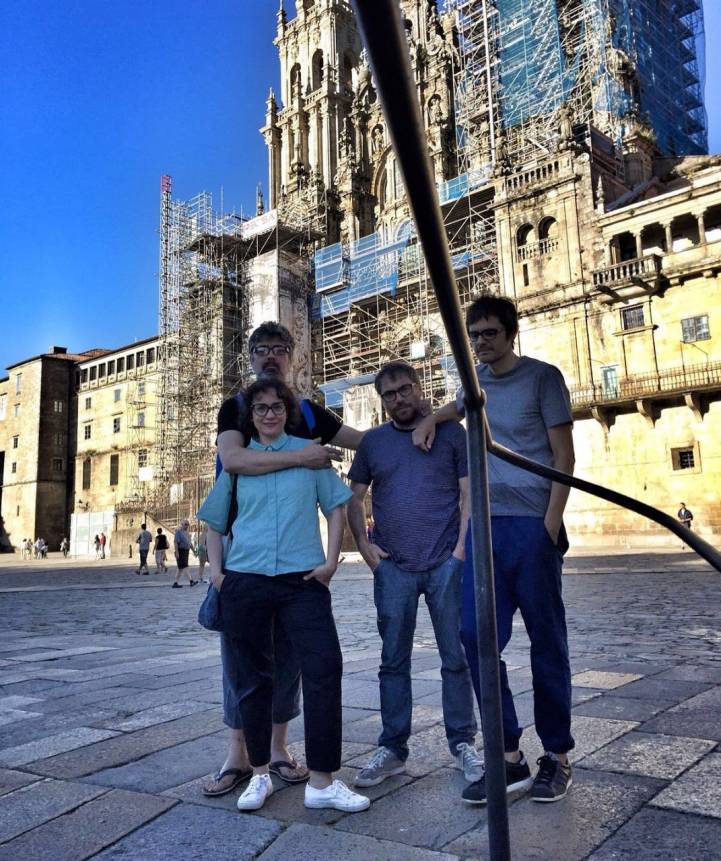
pixel 329 154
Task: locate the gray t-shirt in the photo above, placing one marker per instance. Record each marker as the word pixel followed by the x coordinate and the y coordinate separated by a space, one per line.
pixel 182 539
pixel 415 495
pixel 144 539
pixel 521 406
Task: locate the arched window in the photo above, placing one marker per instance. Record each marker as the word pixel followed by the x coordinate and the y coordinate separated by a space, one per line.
pixel 524 235
pixel 653 239
pixel 347 72
pixel 296 88
pixel 712 222
pixel 623 247
pixel 684 232
pixel 548 228
pixel 317 70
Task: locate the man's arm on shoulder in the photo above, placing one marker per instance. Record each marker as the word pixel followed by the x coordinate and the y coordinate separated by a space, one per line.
pixel 371 553
pixel 348 437
pixel 560 438
pixel 247 461
pixel 425 431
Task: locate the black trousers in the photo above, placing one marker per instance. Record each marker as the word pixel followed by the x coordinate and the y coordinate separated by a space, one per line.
pixel 250 604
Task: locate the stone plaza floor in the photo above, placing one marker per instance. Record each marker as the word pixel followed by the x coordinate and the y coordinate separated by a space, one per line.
pixel 110 718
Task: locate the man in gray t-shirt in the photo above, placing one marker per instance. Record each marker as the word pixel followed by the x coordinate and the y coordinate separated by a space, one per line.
pixel 143 540
pixel 529 411
pixel 417 549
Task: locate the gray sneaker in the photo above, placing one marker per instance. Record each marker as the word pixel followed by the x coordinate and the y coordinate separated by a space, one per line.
pixel 469 761
pixel 384 763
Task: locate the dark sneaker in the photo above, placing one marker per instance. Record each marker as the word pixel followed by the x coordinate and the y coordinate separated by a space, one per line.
pixel 176 586
pixel 553 779
pixel 518 776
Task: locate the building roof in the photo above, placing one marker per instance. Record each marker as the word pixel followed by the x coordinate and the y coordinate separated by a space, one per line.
pixel 59 353
pixel 92 355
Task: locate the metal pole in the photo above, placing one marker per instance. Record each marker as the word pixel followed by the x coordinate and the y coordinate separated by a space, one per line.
pixel 487 639
pixel 385 41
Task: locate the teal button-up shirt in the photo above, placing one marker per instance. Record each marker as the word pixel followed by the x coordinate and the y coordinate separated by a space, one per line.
pixel 276 530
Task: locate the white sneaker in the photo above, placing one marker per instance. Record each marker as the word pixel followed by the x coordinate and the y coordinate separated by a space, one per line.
pixel 338 796
pixel 469 762
pixel 257 792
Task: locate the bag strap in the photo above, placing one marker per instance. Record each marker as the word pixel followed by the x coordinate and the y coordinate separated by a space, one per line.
pixel 308 415
pixel 233 507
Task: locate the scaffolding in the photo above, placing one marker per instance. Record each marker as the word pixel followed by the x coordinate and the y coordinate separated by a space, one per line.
pixel 218 275
pixel 374 301
pixel 526 65
pixel 204 312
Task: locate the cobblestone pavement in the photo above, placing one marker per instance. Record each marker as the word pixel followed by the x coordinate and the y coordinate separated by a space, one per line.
pixel 110 720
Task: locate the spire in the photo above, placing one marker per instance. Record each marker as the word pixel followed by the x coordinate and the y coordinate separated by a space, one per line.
pixel 259 202
pixel 281 18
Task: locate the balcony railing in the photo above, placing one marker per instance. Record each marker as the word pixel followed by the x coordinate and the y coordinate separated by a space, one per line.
pixel 536 249
pixel 640 268
pixel 667 382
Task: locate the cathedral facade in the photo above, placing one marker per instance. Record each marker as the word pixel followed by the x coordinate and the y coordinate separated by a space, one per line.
pixel 610 247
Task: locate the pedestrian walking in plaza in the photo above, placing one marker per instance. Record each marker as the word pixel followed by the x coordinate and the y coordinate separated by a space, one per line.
pixel 144 539
pixel 64 547
pixel 181 547
pixel 277 524
pixel 201 551
pixel 103 542
pixel 26 548
pixel 684 515
pixel 160 549
pixel 271 353
pixel 420 516
pixel 96 544
pixel 529 410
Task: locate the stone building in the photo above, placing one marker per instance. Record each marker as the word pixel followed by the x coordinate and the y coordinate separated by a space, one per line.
pixel 115 456
pixel 38 413
pixel 579 190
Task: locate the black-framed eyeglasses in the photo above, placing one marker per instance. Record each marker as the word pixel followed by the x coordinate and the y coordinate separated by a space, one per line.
pixel 389 396
pixel 485 334
pixel 278 408
pixel 274 350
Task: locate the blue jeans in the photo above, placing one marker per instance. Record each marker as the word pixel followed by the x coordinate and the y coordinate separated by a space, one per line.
pixel 527 575
pixel 396 594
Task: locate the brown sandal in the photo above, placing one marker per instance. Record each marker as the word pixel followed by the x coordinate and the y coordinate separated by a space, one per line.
pixel 238 775
pixel 289 771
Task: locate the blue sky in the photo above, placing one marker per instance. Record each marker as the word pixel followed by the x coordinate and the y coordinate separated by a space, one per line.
pixel 99 99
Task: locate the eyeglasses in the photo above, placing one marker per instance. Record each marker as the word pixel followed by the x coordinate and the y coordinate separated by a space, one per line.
pixel 275 350
pixel 389 396
pixel 486 334
pixel 278 408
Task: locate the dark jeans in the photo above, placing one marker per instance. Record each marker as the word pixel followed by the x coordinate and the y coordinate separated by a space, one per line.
pixel 143 559
pixel 286 679
pixel 396 594
pixel 182 557
pixel 250 603
pixel 527 567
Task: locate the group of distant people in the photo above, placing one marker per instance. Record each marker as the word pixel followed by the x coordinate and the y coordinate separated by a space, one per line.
pixel 272 576
pixel 30 549
pixel 183 542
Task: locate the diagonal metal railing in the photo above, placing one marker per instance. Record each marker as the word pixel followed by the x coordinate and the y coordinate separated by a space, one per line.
pixel 385 41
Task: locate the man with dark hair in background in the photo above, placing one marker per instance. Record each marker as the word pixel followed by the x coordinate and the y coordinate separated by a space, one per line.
pixel 529 411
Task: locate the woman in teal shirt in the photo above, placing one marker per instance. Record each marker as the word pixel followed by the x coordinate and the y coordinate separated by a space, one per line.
pixel 275 566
